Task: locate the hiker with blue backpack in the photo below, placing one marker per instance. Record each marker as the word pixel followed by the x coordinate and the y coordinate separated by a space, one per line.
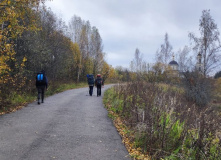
pixel 90 79
pixel 98 83
pixel 41 84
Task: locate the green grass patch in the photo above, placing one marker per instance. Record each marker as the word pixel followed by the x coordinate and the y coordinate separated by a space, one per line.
pixel 17 100
pixel 21 98
pixel 57 88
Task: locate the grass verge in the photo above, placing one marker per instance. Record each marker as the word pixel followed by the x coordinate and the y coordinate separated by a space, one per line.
pixel 17 100
pixel 128 136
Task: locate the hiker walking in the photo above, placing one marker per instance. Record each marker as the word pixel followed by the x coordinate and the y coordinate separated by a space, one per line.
pixel 41 84
pixel 90 80
pixel 98 83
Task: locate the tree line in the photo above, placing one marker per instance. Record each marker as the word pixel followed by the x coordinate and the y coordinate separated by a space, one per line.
pixel 207 44
pixel 33 38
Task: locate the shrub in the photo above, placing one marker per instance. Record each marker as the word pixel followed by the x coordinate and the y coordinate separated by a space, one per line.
pixel 217 75
pixel 165 125
pixel 198 88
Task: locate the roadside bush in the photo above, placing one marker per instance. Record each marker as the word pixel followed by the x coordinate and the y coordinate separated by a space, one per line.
pixel 198 89
pixel 164 124
pixel 217 94
pixel 217 75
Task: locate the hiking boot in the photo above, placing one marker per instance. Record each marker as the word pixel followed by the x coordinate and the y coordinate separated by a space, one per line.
pixel 38 102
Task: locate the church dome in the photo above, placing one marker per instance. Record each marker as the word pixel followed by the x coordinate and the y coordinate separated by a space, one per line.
pixel 173 63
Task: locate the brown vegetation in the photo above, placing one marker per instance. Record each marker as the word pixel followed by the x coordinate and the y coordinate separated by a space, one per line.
pixel 165 124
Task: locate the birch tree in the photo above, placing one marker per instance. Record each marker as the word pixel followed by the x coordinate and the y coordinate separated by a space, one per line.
pixel 184 60
pixel 164 54
pixel 97 50
pixel 208 44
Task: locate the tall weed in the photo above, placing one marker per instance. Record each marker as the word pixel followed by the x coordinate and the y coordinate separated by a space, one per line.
pixel 165 125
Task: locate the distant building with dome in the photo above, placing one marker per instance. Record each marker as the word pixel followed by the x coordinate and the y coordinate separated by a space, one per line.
pixel 173 69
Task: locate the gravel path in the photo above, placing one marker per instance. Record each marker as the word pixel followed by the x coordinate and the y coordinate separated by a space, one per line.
pixel 69 126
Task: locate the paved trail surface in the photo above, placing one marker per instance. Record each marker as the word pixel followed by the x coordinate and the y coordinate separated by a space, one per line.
pixel 69 126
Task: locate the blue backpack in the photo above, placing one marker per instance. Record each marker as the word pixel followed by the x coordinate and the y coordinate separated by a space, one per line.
pixel 40 79
pixel 90 79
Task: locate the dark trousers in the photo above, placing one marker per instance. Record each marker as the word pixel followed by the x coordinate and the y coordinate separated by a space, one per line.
pixel 99 90
pixel 41 93
pixel 91 90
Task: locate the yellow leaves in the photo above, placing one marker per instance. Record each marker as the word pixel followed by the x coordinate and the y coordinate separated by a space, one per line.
pixel 88 65
pixel 112 74
pixel 76 55
pixel 127 139
pixel 126 133
pixel 14 12
pixel 3 66
pixel 9 110
pixel 14 22
pixel 8 46
pixel 23 62
pixel 24 59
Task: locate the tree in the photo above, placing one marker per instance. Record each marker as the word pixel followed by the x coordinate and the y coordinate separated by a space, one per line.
pixel 16 17
pixel 78 61
pixel 75 27
pixel 105 71
pixel 97 50
pixel 185 62
pixel 90 44
pixel 47 49
pixel 197 88
pixel 136 64
pixel 208 44
pixel 112 77
pixel 164 55
pixel 217 75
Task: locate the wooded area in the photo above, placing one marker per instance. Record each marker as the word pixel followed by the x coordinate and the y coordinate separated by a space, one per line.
pixel 33 38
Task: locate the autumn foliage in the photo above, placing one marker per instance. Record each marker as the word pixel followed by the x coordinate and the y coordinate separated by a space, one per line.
pixel 17 16
pixel 32 38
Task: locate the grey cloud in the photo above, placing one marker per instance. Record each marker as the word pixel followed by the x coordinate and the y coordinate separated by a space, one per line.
pixel 129 24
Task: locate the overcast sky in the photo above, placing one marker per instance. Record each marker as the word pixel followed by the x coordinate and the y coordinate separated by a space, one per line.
pixel 125 25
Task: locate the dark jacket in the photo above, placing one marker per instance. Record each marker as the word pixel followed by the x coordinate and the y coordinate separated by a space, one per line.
pixel 43 83
pixel 99 79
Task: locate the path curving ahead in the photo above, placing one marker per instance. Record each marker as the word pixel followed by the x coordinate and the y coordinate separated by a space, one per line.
pixel 69 126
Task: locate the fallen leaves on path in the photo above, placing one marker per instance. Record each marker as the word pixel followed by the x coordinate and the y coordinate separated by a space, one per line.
pixel 127 139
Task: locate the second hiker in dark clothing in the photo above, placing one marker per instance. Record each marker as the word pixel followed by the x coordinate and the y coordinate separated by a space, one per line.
pixel 41 84
pixel 98 83
pixel 90 79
